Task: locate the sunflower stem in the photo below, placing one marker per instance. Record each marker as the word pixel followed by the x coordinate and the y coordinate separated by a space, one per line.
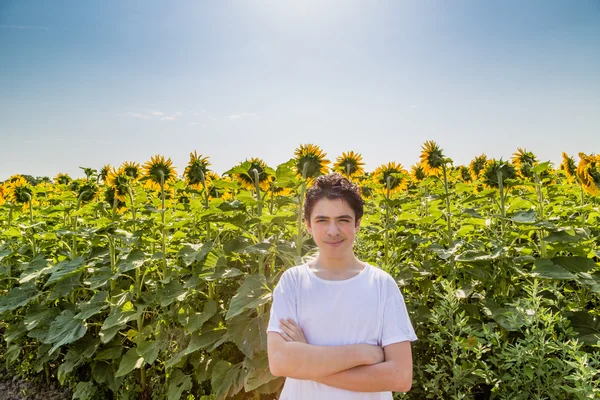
pixel 162 214
pixel 299 238
pixel 132 207
pixel 448 215
pixel 502 211
pixel 388 182
pixel 33 246
pixel 203 179
pixel 540 197
pixel 261 257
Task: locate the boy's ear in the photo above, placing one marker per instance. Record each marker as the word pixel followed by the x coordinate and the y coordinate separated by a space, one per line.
pixel 308 228
pixel 357 225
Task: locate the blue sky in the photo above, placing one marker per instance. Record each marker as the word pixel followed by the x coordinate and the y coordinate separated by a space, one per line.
pixel 90 83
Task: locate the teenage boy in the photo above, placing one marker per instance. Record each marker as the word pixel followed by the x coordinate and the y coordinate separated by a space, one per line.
pixel 339 328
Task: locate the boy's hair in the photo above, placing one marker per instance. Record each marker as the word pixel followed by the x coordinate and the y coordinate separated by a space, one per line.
pixel 334 186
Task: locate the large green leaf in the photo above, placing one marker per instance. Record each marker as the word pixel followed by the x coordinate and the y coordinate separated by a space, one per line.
pixel 130 361
pixel 562 237
pixel 258 372
pixel 18 297
pixel 525 217
pixel 92 307
pixel 37 267
pixel 190 253
pixel 178 383
pixel 253 293
pixel 65 329
pixel 85 391
pixel 105 373
pixel 64 269
pixel 134 260
pixel 587 326
pixel 249 333
pixel 227 379
pixel 193 321
pixel 575 264
pixel 39 314
pixel 148 350
pixel 545 268
pixel 172 291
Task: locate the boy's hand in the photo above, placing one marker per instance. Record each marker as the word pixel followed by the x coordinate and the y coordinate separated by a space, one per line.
pixel 292 332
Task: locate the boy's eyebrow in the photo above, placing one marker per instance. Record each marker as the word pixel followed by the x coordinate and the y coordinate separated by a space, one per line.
pixel 338 217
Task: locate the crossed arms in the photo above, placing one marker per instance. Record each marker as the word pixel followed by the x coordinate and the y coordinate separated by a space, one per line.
pixel 356 367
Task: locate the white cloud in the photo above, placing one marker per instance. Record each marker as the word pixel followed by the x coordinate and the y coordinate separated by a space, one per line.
pixel 158 113
pixel 243 115
pixel 167 119
pixel 136 115
pixel 177 114
pixel 192 124
pixel 413 106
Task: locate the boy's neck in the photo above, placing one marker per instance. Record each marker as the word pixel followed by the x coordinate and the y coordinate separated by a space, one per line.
pixel 336 268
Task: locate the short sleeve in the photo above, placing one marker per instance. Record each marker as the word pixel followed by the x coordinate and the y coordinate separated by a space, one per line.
pixel 396 323
pixel 284 302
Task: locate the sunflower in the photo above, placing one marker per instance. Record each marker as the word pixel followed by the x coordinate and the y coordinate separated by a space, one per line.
pixel 350 165
pixel 132 169
pixel 432 158
pixel 568 165
pixel 588 172
pixel 490 172
pixel 3 194
pixel 87 190
pixel 464 174
pixel 119 180
pixel 62 179
pixel 14 178
pixel 477 165
pixel 310 161
pixel 19 191
pixel 104 171
pixel 196 168
pixel 399 177
pixel 113 201
pixel 524 161
pixel 417 172
pixel 246 178
pixel 159 170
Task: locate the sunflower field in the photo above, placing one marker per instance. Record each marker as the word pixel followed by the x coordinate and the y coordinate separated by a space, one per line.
pixel 139 283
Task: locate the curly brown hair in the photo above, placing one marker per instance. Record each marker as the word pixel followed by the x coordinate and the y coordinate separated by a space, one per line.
pixel 334 186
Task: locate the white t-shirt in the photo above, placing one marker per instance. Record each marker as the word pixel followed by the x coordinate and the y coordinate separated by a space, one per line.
pixel 367 308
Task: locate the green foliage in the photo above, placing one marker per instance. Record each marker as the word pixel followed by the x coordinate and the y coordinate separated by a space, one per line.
pixel 171 300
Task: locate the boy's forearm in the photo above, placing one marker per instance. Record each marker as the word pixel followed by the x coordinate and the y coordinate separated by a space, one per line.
pixel 385 376
pixel 304 361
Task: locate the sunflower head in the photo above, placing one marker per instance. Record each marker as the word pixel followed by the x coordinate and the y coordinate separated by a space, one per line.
pixel 491 170
pixel 310 161
pixel 157 171
pixel 195 170
pixel 417 172
pixel 464 174
pixel 62 179
pixel 524 161
pixel 87 190
pixel 569 166
pixel 349 165
pixel 244 174
pixel 113 201
pixel 19 191
pixel 393 174
pixel 477 165
pixel 104 171
pixel 3 194
pixel 432 158
pixel 132 169
pixel 588 172
pixel 119 180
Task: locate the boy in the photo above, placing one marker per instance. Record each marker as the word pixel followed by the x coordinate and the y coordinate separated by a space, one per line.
pixel 339 328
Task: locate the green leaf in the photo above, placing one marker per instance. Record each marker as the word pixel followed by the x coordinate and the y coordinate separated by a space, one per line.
pixel 171 291
pixel 587 326
pixel 130 361
pixel 194 321
pixel 575 264
pixel 64 269
pixel 178 383
pixel 227 380
pixel 83 349
pixel 525 217
pixel 561 237
pixel 85 391
pixel 12 353
pixel 99 278
pixel 207 340
pixel 258 372
pixel 104 373
pixel 475 256
pixel 252 294
pixel 544 268
pixel 189 253
pixel 472 213
pixel 148 350
pixel 18 297
pixel 92 307
pixel 37 315
pixel 37 267
pixel 65 287
pixel 65 329
pixel 249 334
pixel 134 260
pixel 111 352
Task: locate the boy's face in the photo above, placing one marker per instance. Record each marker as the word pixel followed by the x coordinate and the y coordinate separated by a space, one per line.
pixel 333 227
